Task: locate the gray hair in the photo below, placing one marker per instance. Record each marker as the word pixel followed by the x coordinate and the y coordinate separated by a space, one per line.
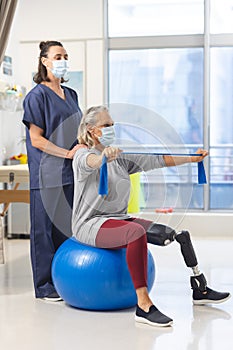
pixel 89 119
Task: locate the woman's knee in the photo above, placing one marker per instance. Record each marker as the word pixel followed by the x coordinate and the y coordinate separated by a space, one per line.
pixel 135 231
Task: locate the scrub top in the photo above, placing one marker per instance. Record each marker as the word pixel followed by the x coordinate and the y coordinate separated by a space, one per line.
pixel 60 120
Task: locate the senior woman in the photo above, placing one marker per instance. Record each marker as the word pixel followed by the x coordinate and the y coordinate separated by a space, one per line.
pixel 103 221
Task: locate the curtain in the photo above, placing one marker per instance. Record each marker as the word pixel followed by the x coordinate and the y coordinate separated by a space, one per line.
pixel 7 11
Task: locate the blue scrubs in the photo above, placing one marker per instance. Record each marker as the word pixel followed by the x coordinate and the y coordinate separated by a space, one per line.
pixel 51 178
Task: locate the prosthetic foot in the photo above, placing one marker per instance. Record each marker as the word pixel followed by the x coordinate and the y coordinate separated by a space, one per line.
pixel 203 294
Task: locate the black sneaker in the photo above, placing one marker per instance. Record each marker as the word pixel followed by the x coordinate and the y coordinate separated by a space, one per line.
pixel 52 297
pixel 153 317
pixel 211 297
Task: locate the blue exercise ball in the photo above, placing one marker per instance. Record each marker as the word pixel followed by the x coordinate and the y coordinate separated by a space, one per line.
pixel 92 278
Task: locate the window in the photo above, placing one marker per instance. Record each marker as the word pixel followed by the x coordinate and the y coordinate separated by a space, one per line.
pixel 173 82
pixel 155 17
pixel 163 82
pixel 221 19
pixel 221 128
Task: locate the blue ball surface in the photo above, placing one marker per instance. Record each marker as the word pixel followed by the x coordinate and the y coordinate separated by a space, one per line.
pixel 92 278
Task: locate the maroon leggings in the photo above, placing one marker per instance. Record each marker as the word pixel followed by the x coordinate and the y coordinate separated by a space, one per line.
pixel 129 234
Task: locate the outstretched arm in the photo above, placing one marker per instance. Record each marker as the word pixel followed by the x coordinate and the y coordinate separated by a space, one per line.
pixel 174 160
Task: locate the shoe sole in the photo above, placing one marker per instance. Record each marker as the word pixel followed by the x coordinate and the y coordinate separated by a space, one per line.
pixel 52 299
pixel 208 301
pixel 154 324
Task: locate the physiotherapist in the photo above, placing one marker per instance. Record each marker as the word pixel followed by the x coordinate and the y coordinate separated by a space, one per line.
pixel 52 116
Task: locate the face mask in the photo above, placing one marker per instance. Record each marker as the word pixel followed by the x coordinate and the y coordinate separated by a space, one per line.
pixel 108 136
pixel 60 68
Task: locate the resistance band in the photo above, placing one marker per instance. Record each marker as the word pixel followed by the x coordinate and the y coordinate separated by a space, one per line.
pixel 103 182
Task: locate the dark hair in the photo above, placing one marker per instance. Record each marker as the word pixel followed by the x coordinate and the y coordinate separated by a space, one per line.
pixel 41 75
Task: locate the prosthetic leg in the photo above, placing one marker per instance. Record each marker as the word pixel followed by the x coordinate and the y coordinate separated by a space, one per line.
pixel 198 281
pixel 163 235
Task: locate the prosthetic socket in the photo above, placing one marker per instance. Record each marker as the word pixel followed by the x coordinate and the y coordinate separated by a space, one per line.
pixel 163 235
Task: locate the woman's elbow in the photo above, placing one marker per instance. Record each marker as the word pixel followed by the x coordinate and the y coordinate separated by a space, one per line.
pixel 36 142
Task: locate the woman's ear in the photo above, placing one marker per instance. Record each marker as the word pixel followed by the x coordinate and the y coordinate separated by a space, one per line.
pixel 43 61
pixel 96 132
pixel 90 129
pixel 93 131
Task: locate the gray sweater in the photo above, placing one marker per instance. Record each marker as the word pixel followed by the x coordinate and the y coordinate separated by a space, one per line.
pixel 90 210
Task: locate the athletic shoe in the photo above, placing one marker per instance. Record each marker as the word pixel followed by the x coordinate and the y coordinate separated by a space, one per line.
pixel 211 297
pixel 53 297
pixel 153 317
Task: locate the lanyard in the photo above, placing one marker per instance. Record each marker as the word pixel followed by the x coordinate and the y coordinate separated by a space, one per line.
pixel 103 182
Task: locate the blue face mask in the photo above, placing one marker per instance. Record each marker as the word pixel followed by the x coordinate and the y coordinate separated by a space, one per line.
pixel 60 68
pixel 108 136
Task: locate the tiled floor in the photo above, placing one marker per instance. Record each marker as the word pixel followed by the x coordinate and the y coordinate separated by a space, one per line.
pixel 27 323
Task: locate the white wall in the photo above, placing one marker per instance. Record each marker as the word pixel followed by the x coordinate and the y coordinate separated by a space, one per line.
pixel 13 49
pixel 78 24
pixel 61 20
pixel 10 128
pixel 200 225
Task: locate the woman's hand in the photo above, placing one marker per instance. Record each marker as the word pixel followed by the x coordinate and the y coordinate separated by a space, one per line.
pixel 95 161
pixel 197 159
pixel 70 154
pixel 111 153
pixel 179 160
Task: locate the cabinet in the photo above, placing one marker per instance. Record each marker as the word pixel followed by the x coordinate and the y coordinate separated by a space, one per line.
pixel 16 194
pixel 18 218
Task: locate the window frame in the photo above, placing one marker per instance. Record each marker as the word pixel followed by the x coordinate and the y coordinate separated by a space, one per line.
pixel 206 41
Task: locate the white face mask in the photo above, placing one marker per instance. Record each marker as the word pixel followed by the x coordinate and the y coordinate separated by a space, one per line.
pixel 60 68
pixel 108 136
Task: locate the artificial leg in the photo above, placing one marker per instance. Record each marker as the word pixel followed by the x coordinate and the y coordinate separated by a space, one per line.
pixel 163 235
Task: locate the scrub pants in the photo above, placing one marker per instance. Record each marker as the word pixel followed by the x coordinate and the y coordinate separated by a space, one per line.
pixel 50 213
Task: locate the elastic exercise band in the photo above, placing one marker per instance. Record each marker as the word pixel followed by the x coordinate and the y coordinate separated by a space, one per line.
pixel 103 182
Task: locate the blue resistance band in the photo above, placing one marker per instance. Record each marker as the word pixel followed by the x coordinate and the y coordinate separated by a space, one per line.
pixel 103 182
